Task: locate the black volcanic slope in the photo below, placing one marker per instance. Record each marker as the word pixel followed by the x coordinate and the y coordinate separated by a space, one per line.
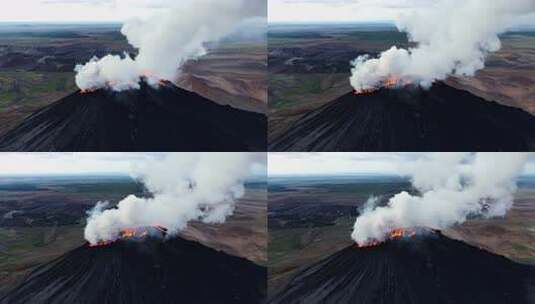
pixel 411 119
pixel 151 271
pixel 423 270
pixel 149 119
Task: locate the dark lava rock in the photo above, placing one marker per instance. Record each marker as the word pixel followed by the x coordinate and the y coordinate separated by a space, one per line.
pixel 163 119
pixel 148 271
pixel 431 269
pixel 411 119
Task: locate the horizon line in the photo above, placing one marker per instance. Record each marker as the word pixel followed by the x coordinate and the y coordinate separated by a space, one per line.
pixel 54 22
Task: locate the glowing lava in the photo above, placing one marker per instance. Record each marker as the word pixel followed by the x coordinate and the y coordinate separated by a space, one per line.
pixel 399 233
pixel 146 75
pixel 390 82
pixel 135 234
pixel 86 91
pixel 365 91
pixel 101 243
pixel 128 233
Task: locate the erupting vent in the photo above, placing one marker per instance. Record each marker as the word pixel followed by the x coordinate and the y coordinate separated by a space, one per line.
pixel 138 233
pixel 392 82
pixel 147 77
pixel 399 233
pixel 87 91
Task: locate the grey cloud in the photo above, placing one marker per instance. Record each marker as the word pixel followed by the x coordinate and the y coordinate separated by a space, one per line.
pixel 98 2
pixel 374 3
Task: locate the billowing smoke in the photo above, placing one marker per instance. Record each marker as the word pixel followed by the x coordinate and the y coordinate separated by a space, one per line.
pixel 184 187
pixel 451 188
pixel 164 42
pixel 452 38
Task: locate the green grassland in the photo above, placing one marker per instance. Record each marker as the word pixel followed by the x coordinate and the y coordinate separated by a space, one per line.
pixel 312 84
pixel 18 87
pixel 23 248
pixel 294 90
pixel 37 62
pixel 104 189
pixel 366 189
pixel 285 242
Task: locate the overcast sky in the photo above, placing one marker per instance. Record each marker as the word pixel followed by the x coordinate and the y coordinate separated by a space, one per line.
pixel 77 10
pixel 94 10
pixel 85 163
pixel 278 163
pixel 279 10
pixel 346 163
pixel 347 10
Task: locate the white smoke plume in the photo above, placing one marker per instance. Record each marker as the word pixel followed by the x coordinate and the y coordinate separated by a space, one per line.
pixel 184 187
pixel 164 42
pixel 452 38
pixel 451 187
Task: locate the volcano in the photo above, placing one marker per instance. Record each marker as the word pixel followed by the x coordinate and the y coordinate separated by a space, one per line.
pixel 148 271
pixel 425 269
pixel 166 118
pixel 410 119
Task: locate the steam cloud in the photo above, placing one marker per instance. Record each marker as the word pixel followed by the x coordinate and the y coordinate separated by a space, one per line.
pixel 185 187
pixel 165 41
pixel 453 38
pixel 452 187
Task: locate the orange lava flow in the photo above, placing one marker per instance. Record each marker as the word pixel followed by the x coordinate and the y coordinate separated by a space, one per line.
pixel 111 84
pixel 390 82
pixel 151 75
pixel 365 91
pixel 86 91
pixel 128 233
pixel 132 233
pixel 101 243
pixel 394 234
